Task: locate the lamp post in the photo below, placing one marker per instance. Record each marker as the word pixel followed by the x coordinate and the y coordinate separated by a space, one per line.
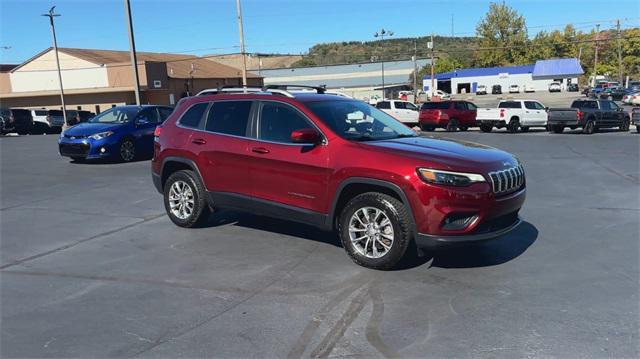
pixel 51 15
pixel 381 34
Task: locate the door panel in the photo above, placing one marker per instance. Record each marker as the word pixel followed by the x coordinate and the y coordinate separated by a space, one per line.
pixel 284 172
pixel 222 149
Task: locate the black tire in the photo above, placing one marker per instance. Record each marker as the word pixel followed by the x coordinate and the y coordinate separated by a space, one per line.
pixel 427 128
pixel 524 129
pixel 513 125
pixel 463 128
pixel 452 126
pixel 400 220
pixel 625 126
pixel 557 128
pixel 486 128
pixel 200 211
pixel 127 150
pixel 638 128
pixel 589 128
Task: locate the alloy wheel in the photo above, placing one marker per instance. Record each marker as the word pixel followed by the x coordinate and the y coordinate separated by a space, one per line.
pixel 127 151
pixel 371 232
pixel 181 200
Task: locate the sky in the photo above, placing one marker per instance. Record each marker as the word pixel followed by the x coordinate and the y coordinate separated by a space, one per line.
pixel 202 27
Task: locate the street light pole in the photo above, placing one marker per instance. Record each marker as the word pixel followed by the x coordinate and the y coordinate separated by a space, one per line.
pixel 595 59
pixel 381 35
pixel 132 51
pixel 244 57
pixel 51 15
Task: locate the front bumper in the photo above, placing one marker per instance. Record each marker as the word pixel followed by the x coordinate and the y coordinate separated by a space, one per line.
pixel 501 227
pixel 496 123
pixel 85 148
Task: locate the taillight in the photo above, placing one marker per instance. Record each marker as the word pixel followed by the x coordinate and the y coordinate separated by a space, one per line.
pixel 579 115
pixel 157 132
pixel 502 112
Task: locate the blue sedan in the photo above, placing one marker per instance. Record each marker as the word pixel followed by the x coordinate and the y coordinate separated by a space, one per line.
pixel 121 133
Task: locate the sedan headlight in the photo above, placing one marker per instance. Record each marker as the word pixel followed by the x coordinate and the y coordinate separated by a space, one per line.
pixel 101 135
pixel 449 178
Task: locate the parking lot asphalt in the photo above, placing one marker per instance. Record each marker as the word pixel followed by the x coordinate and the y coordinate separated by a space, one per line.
pixel 92 267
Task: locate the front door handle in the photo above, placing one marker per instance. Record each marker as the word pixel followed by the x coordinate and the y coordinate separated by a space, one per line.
pixel 260 150
pixel 199 141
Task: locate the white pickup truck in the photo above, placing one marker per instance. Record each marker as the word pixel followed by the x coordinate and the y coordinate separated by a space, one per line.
pixel 403 111
pixel 514 115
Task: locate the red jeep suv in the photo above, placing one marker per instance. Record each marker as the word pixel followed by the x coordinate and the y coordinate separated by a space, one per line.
pixel 335 163
pixel 450 115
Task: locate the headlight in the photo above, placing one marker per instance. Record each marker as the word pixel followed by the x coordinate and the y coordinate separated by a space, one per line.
pixel 101 135
pixel 448 178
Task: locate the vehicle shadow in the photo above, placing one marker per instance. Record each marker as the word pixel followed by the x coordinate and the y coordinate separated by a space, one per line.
pixel 108 161
pixel 288 228
pixel 488 253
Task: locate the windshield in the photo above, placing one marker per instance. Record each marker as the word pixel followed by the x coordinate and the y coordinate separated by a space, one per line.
pixel 358 121
pixel 116 115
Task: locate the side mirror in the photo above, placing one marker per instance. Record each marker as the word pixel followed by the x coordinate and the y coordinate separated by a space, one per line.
pixel 305 136
pixel 546 109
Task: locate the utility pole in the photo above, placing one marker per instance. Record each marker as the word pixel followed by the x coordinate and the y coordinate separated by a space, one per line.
pixel 595 60
pixel 432 67
pixel 244 58
pixel 619 53
pixel 381 34
pixel 415 70
pixel 132 51
pixel 51 15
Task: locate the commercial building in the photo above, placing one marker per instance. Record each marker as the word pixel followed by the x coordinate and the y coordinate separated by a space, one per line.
pixel 95 80
pixel 358 80
pixel 536 77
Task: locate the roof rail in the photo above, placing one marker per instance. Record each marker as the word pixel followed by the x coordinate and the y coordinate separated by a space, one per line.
pixel 242 90
pixel 285 87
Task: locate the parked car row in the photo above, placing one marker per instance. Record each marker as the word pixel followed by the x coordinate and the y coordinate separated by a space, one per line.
pixel 38 121
pixel 514 88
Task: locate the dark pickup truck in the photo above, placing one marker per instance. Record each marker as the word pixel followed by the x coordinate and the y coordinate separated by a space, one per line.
pixel 590 115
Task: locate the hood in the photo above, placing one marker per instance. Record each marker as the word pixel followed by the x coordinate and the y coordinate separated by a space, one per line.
pixel 88 128
pixel 447 153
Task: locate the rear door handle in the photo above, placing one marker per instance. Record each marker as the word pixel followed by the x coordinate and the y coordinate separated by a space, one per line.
pixel 198 141
pixel 260 150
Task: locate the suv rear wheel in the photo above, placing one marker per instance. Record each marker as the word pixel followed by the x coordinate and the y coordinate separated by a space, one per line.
pixel 375 230
pixel 184 199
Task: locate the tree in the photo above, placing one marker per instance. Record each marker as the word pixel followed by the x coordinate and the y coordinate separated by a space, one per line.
pixel 504 32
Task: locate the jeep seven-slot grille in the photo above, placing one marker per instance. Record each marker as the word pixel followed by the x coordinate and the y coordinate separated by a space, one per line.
pixel 507 180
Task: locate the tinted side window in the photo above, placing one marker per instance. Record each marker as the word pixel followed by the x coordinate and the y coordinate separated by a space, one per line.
pixel 612 105
pixel 400 105
pixel 149 114
pixel 165 112
pixel 471 106
pixel 229 117
pixel 193 116
pixel 510 104
pixel 459 106
pixel 530 105
pixel 277 121
pixel 383 105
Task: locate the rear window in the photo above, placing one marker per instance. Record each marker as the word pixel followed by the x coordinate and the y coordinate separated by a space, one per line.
pixel 21 113
pixel 584 104
pixel 435 105
pixel 193 116
pixel 229 117
pixel 383 105
pixel 510 104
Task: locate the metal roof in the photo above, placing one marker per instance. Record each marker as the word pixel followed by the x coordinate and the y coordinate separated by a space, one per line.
pixel 552 67
pixel 338 76
pixel 558 67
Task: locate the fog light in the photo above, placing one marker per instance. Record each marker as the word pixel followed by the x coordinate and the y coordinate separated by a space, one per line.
pixel 458 221
pixel 103 150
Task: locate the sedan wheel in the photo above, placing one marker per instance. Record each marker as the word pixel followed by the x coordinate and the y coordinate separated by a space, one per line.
pixel 127 150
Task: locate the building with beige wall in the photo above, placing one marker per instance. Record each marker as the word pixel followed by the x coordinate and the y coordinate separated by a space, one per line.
pixel 96 80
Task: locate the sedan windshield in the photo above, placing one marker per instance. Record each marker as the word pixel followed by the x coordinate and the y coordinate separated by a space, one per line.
pixel 116 115
pixel 358 121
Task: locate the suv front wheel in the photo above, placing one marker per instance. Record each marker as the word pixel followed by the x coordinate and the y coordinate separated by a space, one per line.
pixel 184 199
pixel 375 230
